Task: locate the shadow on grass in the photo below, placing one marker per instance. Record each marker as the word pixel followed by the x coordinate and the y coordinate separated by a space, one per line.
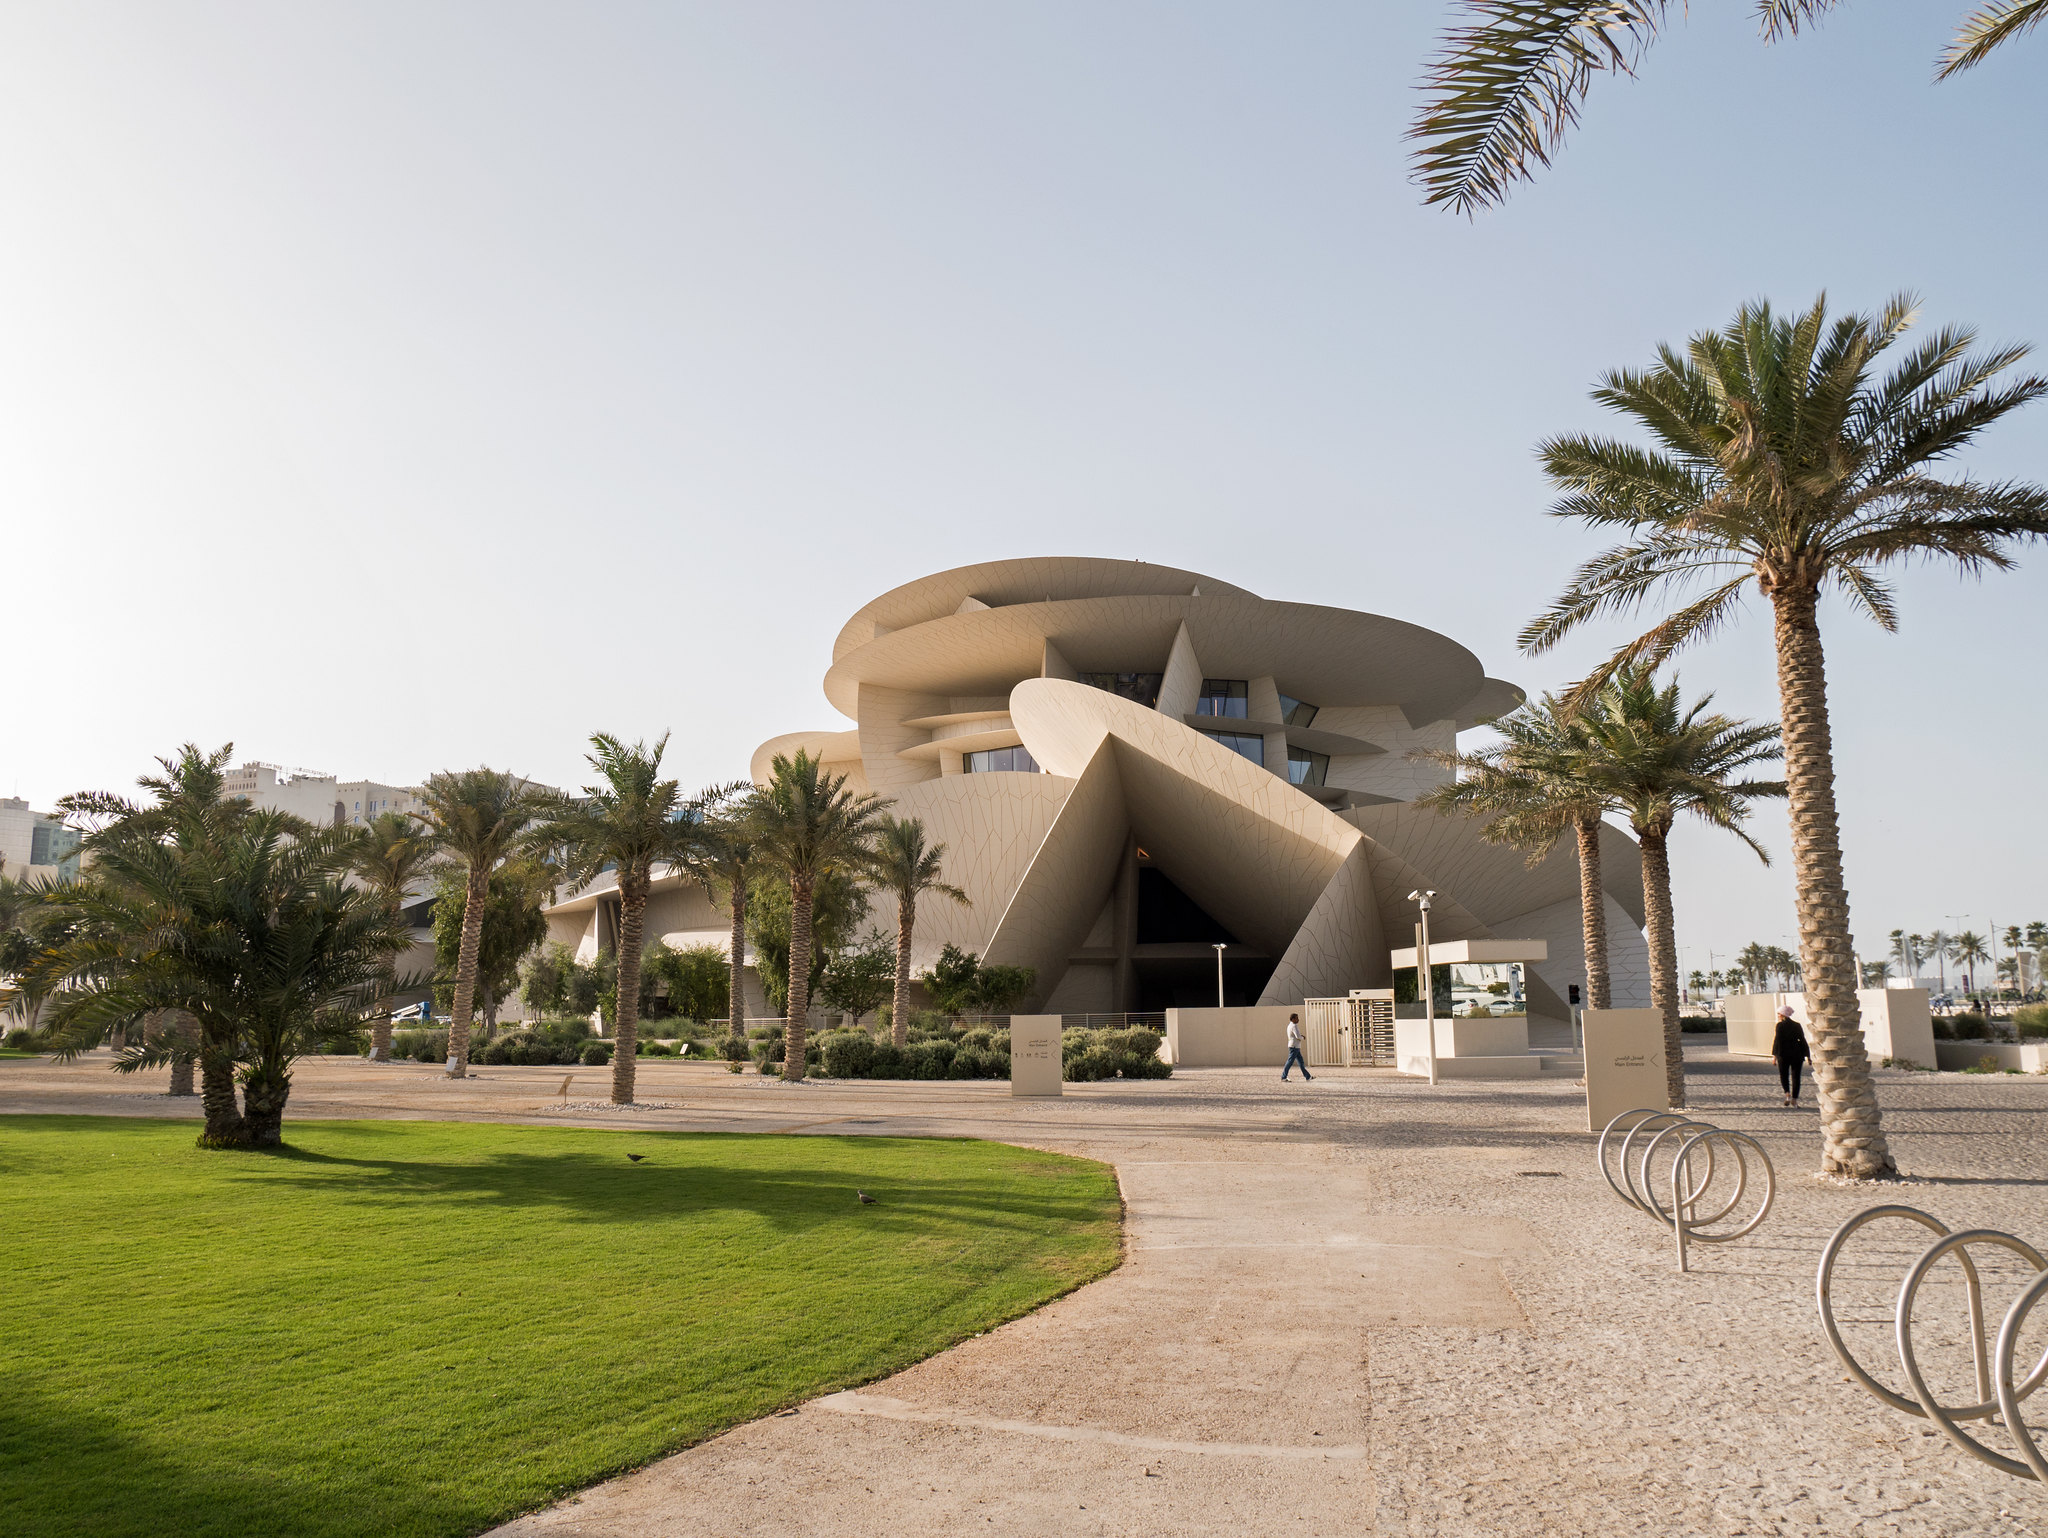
pixel 89 1476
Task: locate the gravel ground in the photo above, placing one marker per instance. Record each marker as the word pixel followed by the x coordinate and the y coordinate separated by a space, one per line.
pixel 1345 1308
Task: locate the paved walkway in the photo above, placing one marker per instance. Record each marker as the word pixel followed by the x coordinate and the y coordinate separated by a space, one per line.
pixel 1357 1306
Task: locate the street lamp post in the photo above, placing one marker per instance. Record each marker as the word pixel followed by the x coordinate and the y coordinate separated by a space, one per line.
pixel 1422 979
pixel 1218 948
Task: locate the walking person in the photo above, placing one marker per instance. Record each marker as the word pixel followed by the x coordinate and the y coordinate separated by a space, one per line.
pixel 1294 1045
pixel 1789 1050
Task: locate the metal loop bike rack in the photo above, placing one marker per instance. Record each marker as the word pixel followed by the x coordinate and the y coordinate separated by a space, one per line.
pixel 1688 1183
pixel 1998 1398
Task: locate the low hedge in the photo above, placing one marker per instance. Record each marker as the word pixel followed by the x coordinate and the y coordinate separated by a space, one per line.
pixel 982 1054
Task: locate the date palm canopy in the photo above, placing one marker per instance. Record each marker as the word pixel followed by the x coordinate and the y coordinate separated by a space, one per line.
pixel 1508 83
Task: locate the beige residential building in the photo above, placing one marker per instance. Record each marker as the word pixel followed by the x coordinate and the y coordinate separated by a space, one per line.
pixel 317 797
pixel 1131 764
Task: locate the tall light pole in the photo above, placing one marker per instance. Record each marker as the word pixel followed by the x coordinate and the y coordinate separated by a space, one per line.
pixel 1422 979
pixel 1217 946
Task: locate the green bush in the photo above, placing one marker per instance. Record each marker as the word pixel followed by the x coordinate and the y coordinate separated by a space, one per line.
pixel 734 1050
pixel 1132 1053
pixel 846 1054
pixel 595 1054
pixel 1701 1024
pixel 420 1046
pixel 2031 1020
pixel 654 1049
pixel 23 1039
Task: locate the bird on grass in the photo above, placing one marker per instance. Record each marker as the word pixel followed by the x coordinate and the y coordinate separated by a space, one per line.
pixel 636 1158
pixel 865 1199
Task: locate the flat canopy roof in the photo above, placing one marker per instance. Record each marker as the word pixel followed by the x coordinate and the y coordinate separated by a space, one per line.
pixel 1450 953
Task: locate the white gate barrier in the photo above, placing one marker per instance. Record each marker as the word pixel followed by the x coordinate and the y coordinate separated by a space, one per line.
pixel 1998 1398
pixel 1692 1189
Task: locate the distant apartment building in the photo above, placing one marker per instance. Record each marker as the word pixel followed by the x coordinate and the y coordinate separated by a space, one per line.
pixel 319 798
pixel 35 843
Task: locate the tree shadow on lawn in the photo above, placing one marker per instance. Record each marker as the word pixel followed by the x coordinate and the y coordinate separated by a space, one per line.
pixel 587 1186
pixel 63 1472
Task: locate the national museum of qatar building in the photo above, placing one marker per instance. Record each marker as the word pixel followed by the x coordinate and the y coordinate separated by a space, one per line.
pixel 1131 764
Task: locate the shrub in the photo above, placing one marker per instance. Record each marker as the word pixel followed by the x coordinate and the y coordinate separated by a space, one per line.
pixel 595 1054
pixel 734 1050
pixel 1701 1024
pixel 772 1068
pixel 928 1059
pixel 2030 1020
pixel 886 1061
pixel 654 1049
pixel 1968 1026
pixel 733 1067
pixel 1132 1053
pixel 23 1039
pixel 420 1046
pixel 1988 1063
pixel 846 1054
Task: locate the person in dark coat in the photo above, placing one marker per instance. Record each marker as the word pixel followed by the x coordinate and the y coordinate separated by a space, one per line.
pixel 1789 1049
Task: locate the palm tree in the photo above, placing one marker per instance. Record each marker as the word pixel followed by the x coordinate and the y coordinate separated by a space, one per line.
pixel 721 858
pixel 805 823
pixel 906 867
pixel 1533 786
pixel 1698 983
pixel 1940 947
pixel 478 818
pixel 1660 759
pixel 187 802
pixel 1782 462
pixel 1970 950
pixel 393 852
pixel 1506 88
pixel 249 927
pixel 629 822
pixel 1755 961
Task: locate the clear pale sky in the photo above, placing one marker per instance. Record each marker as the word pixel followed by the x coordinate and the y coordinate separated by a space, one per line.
pixel 390 388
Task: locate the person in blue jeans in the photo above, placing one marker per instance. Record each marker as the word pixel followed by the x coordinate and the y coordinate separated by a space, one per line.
pixel 1294 1057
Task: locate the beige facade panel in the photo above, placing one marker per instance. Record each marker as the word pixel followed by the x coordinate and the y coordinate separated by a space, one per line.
pixel 1469 952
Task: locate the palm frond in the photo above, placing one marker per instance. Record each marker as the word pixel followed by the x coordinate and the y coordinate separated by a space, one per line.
pixel 1987 29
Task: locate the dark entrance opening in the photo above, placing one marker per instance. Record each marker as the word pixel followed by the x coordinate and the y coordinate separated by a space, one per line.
pixel 1173 964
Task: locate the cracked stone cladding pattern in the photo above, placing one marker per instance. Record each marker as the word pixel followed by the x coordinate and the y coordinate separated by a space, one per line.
pixel 1248 847
pixel 993 826
pixel 1341 945
pixel 1628 958
pixel 1392 773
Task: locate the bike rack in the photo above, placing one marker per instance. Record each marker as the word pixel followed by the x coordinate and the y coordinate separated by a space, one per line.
pixel 1637 1187
pixel 1998 1399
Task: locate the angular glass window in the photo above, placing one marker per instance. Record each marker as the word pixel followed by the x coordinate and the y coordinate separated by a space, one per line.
pixel 1253 748
pixel 1001 761
pixel 1296 712
pixel 1306 768
pixel 1222 697
pixel 1139 688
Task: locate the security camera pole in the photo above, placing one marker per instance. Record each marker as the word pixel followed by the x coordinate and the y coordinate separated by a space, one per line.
pixel 1422 980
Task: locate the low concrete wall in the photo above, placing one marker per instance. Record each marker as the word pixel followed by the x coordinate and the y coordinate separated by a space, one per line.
pixel 1254 1036
pixel 2027 1057
pixel 1895 1023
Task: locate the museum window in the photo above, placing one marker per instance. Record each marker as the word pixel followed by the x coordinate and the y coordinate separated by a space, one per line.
pixel 1297 712
pixel 1222 697
pixel 1139 688
pixel 1306 768
pixel 1001 761
pixel 1253 748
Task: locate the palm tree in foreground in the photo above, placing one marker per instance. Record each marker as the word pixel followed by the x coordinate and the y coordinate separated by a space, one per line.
pixel 392 853
pixel 806 824
pixel 1782 462
pixel 907 867
pixel 1508 85
pixel 629 822
pixel 1661 760
pixel 1534 787
pixel 479 818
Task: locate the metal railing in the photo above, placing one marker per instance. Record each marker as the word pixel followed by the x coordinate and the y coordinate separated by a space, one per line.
pixel 1998 1398
pixel 1692 1189
pixel 1147 1019
pixel 1352 1032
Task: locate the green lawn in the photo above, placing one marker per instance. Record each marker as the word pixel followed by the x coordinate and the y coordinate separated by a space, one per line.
pixel 17 1052
pixel 425 1327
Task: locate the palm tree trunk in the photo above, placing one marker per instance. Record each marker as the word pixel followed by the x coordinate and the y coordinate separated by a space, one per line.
pixel 465 970
pixel 632 919
pixel 1852 1132
pixel 224 1124
pixel 799 978
pixel 186 1031
pixel 1593 913
pixel 265 1089
pixel 1663 958
pixel 736 975
pixel 380 1027
pixel 899 1011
